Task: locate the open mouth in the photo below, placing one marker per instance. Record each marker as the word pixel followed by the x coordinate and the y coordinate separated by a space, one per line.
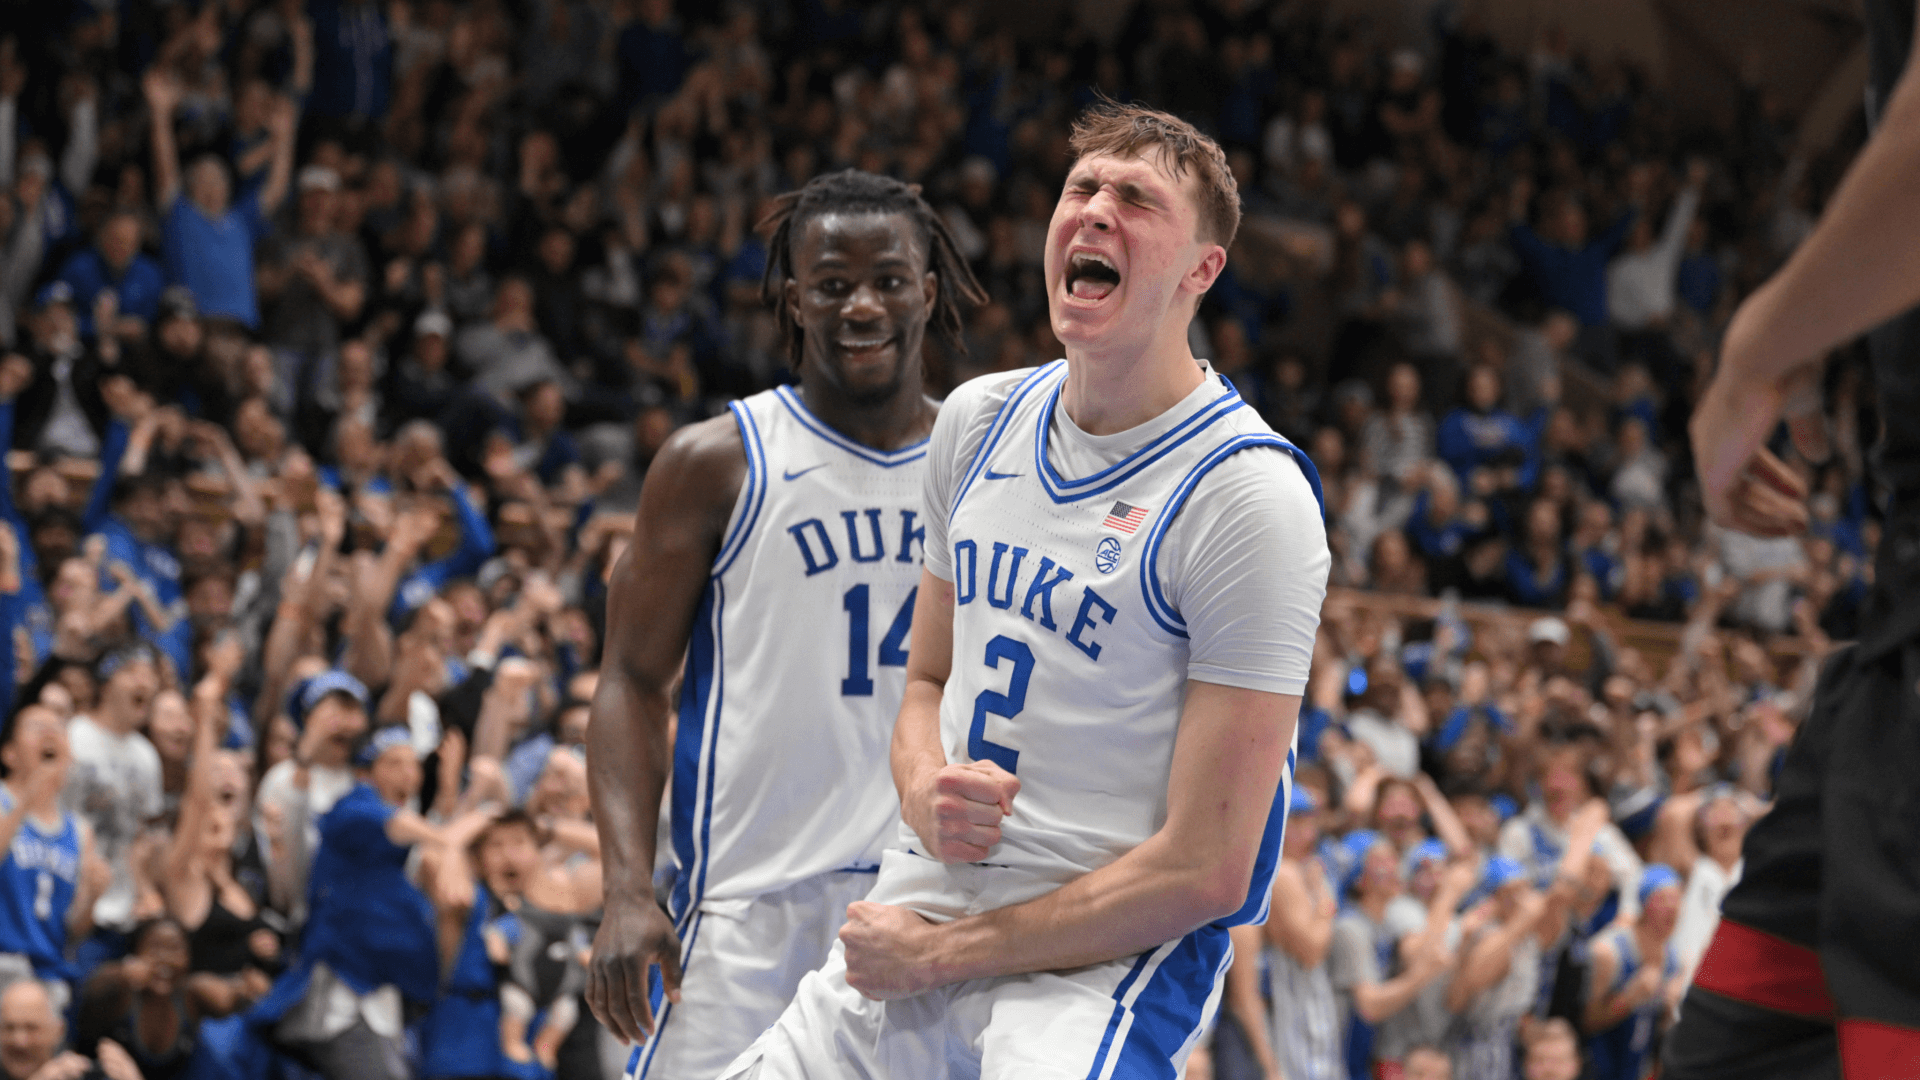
pixel 1091 276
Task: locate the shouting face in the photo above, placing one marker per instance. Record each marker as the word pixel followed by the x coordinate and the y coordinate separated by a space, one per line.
pixel 1124 256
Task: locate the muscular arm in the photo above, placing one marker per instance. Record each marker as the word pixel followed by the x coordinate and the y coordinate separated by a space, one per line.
pixel 1227 760
pixel 655 594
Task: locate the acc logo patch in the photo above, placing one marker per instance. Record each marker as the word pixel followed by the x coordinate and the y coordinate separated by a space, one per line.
pixel 1107 555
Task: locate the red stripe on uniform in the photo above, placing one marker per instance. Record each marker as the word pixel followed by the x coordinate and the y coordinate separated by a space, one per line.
pixel 1755 967
pixel 1870 1050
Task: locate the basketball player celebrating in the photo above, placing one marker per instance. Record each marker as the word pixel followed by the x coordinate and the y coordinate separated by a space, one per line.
pixel 1124 573
pixel 777 550
pixel 1812 971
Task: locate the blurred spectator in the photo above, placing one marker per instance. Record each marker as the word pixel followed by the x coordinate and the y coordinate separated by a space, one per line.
pixel 328 711
pixel 1636 981
pixel 1553 1052
pixel 1567 264
pixel 1399 440
pixel 369 945
pixel 115 264
pixel 52 871
pixel 114 784
pixel 1299 1033
pixel 312 282
pixel 1720 824
pixel 32 1034
pixel 1641 281
pixel 1479 437
pixel 209 237
pixel 508 353
pixel 127 1003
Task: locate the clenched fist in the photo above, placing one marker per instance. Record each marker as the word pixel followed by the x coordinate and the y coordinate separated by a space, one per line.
pixel 956 810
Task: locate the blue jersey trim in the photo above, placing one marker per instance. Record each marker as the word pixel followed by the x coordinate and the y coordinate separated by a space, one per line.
pixel 1119 1014
pixel 886 459
pixel 659 1006
pixel 695 748
pixel 1063 490
pixel 1002 420
pixel 756 493
pixel 1267 858
pixel 1169 1011
pixel 1157 604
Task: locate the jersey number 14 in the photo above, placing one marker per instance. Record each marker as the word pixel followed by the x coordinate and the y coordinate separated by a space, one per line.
pixel 893 647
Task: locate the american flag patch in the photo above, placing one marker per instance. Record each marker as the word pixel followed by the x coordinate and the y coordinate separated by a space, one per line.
pixel 1125 518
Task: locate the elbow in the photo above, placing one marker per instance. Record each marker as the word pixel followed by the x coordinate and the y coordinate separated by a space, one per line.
pixel 1219 891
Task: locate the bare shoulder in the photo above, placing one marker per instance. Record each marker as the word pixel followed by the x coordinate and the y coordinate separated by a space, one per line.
pixel 699 468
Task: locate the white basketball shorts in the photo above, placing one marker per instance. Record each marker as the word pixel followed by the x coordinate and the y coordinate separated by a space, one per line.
pixel 740 962
pixel 1133 1018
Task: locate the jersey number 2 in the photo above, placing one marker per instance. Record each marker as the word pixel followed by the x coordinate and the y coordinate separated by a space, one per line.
pixel 893 647
pixel 1007 705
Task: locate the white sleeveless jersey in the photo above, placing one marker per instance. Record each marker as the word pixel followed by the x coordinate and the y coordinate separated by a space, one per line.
pixel 797 662
pixel 1069 663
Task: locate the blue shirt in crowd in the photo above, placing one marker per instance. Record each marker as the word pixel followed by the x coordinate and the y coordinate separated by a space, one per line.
pixel 1572 278
pixel 28 607
pixel 213 257
pixel 137 290
pixel 1468 440
pixel 153 563
pixel 476 545
pixel 368 923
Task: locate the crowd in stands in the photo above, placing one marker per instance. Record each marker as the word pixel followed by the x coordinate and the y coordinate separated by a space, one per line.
pixel 339 335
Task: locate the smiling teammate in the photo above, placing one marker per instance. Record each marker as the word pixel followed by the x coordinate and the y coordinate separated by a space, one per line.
pixel 1124 574
pixel 777 549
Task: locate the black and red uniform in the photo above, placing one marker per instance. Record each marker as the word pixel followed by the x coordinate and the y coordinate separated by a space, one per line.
pixel 1815 970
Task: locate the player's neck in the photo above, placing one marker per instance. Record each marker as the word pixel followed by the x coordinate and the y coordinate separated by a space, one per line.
pixel 900 420
pixel 1116 390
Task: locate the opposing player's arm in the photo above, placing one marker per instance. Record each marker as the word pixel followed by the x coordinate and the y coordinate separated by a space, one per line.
pixel 1196 869
pixel 684 508
pixel 1858 268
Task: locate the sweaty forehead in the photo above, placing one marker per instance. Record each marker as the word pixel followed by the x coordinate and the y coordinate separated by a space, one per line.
pixel 859 234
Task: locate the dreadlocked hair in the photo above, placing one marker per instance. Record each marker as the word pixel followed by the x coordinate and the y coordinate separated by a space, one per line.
pixel 853 191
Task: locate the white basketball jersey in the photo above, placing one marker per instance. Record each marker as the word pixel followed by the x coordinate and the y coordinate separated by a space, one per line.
pixel 1069 664
pixel 797 662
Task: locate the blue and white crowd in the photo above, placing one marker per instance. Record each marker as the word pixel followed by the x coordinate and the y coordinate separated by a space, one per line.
pixel 338 336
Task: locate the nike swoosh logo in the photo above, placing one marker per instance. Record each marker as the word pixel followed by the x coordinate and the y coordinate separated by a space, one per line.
pixel 802 472
pixel 991 475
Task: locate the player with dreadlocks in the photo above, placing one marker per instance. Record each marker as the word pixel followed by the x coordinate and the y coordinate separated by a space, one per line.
pixel 777 550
